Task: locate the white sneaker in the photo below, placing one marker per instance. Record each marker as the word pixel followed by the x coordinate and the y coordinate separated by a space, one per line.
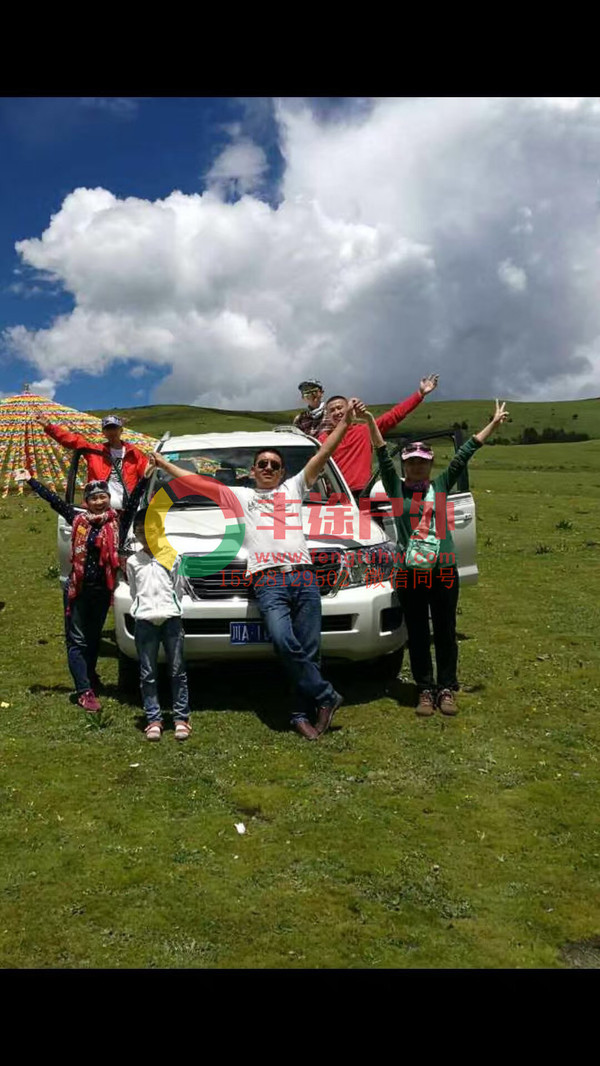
pixel 154 731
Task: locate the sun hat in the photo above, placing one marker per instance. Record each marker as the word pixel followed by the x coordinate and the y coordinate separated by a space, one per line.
pixel 417 450
pixel 94 488
pixel 112 420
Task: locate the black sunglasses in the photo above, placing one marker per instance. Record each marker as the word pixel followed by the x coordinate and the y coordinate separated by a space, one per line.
pixel 262 464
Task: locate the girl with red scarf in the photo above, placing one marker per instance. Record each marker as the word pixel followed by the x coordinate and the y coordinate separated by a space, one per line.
pixel 96 537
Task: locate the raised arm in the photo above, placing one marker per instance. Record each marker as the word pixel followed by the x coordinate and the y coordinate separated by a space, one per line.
pixel 169 468
pixel 389 474
pixel 67 510
pixel 467 450
pixel 316 465
pixel 500 416
pixel 363 415
pixel 391 418
pixel 63 436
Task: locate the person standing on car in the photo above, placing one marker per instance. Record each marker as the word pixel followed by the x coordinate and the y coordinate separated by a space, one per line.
pixel 96 538
pixel 423 530
pixel 116 461
pixel 286 592
pixel 310 420
pixel 355 455
pixel 156 609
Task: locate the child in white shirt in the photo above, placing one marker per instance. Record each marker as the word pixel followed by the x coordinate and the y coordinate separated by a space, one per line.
pixel 156 608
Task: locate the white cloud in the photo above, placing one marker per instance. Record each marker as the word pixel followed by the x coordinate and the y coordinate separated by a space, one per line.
pixel 404 235
pixel 512 276
pixel 584 384
pixel 19 288
pixel 238 298
pixel 571 103
pixel 239 169
pixel 45 387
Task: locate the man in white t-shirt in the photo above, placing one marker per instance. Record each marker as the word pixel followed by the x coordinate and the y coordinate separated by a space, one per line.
pixel 284 583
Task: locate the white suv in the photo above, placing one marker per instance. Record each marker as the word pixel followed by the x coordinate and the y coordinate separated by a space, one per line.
pixel 361 617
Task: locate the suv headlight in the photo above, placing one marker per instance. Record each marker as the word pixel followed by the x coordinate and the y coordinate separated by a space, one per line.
pixel 368 564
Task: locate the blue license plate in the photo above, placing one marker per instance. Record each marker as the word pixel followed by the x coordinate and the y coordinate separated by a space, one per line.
pixel 248 633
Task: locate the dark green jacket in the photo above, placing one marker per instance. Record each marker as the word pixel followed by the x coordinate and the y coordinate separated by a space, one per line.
pixel 397 490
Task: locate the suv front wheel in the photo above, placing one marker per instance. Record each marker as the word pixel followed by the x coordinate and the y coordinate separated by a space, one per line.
pixel 387 666
pixel 128 673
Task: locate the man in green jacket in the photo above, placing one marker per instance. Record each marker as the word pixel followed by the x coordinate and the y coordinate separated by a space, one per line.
pixel 418 503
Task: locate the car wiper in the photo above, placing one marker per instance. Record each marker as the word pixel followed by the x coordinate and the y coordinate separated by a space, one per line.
pixel 202 501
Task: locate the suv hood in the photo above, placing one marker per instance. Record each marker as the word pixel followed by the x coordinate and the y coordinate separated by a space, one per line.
pixel 201 529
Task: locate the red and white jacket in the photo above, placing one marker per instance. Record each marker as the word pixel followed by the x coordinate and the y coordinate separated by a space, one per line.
pixel 97 456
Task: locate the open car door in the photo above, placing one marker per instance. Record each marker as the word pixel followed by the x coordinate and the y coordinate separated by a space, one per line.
pixel 63 533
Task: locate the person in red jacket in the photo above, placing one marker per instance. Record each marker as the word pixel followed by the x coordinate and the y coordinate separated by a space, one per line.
pixel 354 454
pixel 117 462
pixel 97 537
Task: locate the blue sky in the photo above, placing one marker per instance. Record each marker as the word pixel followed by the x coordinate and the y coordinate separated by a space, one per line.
pixel 134 147
pixel 216 251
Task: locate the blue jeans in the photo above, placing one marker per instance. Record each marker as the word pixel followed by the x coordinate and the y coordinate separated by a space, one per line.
pixel 148 638
pixel 83 630
pixel 290 605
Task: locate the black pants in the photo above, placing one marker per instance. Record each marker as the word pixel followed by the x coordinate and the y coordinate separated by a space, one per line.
pixel 84 625
pixel 416 601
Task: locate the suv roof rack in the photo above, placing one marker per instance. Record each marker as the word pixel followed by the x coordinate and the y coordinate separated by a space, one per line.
pixel 451 431
pixel 282 428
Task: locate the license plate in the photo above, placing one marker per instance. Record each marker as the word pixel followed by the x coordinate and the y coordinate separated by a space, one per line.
pixel 248 633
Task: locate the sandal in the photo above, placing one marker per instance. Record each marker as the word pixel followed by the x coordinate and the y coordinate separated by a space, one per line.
pixel 183 729
pixel 153 731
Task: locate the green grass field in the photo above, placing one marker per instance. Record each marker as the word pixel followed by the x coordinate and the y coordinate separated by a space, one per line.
pixel 392 842
pixel 581 416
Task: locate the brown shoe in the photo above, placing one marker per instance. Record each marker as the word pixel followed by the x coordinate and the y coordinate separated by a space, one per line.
pixel 326 712
pixel 306 730
pixel 446 702
pixel 425 707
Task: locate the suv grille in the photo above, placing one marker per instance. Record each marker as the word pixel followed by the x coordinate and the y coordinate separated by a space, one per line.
pixel 219 627
pixel 233 580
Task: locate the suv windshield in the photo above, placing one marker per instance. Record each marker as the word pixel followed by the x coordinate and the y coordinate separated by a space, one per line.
pixel 231 466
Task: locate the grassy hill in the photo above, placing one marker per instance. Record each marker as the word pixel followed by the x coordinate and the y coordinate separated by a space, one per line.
pixel 581 416
pixel 392 842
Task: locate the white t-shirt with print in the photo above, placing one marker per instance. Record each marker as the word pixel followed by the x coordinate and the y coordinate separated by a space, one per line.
pixel 115 486
pixel 282 542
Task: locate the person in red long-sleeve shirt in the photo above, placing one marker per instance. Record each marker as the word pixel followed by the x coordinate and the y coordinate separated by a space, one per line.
pixel 122 465
pixel 355 452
